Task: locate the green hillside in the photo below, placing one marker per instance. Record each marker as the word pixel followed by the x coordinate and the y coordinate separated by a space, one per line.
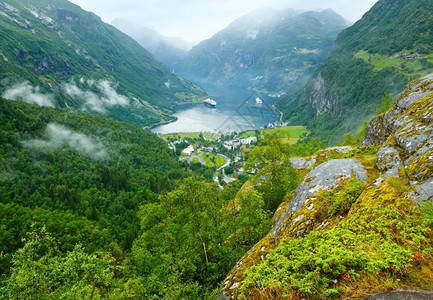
pixel 389 46
pixel 63 164
pixel 55 48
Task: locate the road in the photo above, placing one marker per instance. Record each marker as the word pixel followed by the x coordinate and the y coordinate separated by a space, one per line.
pixel 199 157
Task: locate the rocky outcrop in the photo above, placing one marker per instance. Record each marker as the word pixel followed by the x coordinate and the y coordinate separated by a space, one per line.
pixel 321 99
pixel 402 295
pixel 324 177
pixel 403 138
pixel 301 163
pixel 406 135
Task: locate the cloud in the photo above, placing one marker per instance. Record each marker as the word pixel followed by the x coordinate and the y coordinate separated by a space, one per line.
pixel 58 136
pixel 27 93
pixel 104 96
pixel 198 19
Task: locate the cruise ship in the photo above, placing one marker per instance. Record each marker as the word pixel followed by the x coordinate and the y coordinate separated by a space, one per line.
pixel 209 102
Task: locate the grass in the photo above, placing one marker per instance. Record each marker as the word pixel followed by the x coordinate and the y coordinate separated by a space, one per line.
pixel 409 67
pixel 289 134
pixel 192 135
pixel 213 160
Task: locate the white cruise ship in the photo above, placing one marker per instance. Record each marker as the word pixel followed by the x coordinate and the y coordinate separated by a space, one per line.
pixel 209 102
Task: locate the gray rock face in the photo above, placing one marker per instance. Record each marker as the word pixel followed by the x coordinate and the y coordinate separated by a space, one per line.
pixel 424 191
pixel 405 102
pixel 401 295
pixel 341 149
pixel 412 135
pixel 300 163
pixel 412 125
pixel 388 161
pixel 376 132
pixel 409 126
pixel 425 83
pixel 321 100
pixel 323 177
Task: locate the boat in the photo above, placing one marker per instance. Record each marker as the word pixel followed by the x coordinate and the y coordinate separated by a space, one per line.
pixel 209 102
pixel 259 101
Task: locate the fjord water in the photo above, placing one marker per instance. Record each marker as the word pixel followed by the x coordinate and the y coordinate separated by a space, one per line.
pixel 236 110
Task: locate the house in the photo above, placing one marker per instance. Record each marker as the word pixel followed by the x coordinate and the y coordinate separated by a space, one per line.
pixel 188 151
pixel 249 140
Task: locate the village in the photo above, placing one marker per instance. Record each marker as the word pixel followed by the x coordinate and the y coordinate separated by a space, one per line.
pixel 222 156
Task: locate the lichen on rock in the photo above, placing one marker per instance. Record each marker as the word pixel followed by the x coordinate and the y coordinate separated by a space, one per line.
pixel 324 177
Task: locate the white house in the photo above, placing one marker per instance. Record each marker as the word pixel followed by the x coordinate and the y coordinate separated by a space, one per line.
pixel 188 151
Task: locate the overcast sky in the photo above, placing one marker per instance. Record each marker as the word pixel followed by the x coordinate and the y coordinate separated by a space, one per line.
pixel 195 20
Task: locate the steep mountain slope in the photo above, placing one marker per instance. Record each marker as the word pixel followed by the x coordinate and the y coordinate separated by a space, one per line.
pixel 53 47
pixel 169 50
pixel 353 226
pixel 61 165
pixel 389 46
pixel 268 51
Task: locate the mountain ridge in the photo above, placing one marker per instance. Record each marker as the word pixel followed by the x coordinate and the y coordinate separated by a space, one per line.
pixel 169 50
pixel 389 46
pixel 268 51
pixel 51 44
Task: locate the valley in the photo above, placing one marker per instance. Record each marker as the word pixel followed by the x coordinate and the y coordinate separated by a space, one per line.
pixel 309 175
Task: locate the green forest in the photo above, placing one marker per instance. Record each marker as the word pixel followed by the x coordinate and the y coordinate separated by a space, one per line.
pixel 119 217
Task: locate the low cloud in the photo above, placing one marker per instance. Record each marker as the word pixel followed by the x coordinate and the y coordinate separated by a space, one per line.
pixel 28 93
pixel 98 100
pixel 58 136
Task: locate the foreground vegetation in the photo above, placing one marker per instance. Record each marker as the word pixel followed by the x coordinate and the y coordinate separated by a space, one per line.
pixel 383 243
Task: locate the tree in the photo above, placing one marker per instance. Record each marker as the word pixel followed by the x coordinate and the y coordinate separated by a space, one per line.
pixel 40 271
pixel 386 103
pixel 271 157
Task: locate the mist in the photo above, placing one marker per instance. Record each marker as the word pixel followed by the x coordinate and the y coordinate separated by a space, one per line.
pixel 102 97
pixel 58 137
pixel 27 93
pixel 196 20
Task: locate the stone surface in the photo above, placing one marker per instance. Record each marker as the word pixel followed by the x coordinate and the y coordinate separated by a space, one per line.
pixel 376 132
pixel 401 295
pixel 388 161
pixel 410 118
pixel 405 102
pixel 412 135
pixel 341 149
pixel 300 163
pixel 424 191
pixel 324 177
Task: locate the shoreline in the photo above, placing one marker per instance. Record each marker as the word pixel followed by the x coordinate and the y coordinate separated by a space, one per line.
pixel 175 109
pixel 149 128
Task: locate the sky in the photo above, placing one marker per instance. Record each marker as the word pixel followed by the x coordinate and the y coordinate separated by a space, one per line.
pixel 196 20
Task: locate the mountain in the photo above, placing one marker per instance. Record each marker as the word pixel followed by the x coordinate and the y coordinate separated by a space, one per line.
pixel 389 46
pixel 169 50
pixel 354 225
pixel 268 51
pixel 54 53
